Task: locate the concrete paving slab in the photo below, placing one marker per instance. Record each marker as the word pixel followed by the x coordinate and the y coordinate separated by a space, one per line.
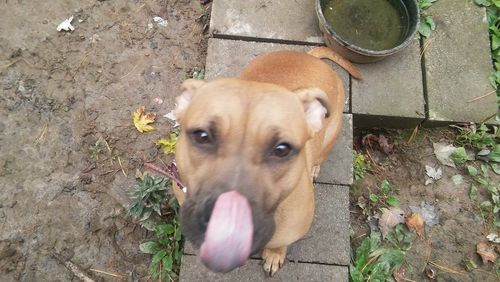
pixel 293 21
pixel 328 240
pixel 193 271
pixel 458 64
pixel 391 91
pixel 337 169
pixel 227 58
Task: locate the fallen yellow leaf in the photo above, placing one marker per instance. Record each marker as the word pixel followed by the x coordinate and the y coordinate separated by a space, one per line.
pixel 142 120
pixel 415 222
pixel 168 145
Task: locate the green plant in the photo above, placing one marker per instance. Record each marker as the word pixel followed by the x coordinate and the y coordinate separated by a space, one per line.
pixel 97 148
pixel 485 141
pixel 385 197
pixel 491 205
pixel 166 250
pixel 427 24
pixel 493 17
pixel 147 198
pixel 361 165
pixel 198 73
pixel 374 261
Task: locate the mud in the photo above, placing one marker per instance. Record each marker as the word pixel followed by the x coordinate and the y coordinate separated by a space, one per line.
pixel 61 92
pixel 461 225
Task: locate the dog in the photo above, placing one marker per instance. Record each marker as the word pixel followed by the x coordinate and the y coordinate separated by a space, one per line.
pixel 248 151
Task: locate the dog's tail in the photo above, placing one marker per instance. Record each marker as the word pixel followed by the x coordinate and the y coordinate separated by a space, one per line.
pixel 327 53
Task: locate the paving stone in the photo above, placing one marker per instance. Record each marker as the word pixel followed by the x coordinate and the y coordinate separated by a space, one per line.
pixel 337 169
pixel 391 92
pixel 227 58
pixel 328 239
pixel 458 64
pixel 278 20
pixel 193 270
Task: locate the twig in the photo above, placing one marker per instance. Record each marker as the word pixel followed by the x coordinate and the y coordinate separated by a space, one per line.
pixel 110 152
pixel 446 269
pixel 10 64
pixel 127 74
pixel 73 268
pixel 168 174
pixel 108 273
pixel 429 240
pixel 121 166
pixel 482 96
pixel 42 134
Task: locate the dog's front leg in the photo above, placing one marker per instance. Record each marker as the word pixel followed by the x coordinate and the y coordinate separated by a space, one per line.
pixel 273 259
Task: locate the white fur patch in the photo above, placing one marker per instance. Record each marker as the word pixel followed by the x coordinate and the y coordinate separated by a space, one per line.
pixel 315 114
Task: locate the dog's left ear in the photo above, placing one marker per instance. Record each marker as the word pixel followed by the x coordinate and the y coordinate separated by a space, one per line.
pixel 316 106
pixel 188 87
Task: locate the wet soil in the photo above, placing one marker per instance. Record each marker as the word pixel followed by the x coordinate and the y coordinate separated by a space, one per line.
pixel 61 195
pixel 461 225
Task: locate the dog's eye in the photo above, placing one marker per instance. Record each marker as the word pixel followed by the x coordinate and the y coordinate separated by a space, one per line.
pixel 281 150
pixel 201 137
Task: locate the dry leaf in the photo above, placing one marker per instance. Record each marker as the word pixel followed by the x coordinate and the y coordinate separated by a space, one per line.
pixel 399 275
pixel 443 153
pixel 142 120
pixel 390 218
pixel 486 252
pixel 415 222
pixel 433 174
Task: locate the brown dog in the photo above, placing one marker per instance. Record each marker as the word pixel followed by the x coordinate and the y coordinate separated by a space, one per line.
pixel 248 151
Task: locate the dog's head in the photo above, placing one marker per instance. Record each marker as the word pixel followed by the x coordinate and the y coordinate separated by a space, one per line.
pixel 240 153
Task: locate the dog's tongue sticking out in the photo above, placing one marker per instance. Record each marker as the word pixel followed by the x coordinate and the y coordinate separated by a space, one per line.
pixel 228 239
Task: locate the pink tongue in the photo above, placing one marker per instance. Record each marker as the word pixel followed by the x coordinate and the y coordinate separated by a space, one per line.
pixel 228 239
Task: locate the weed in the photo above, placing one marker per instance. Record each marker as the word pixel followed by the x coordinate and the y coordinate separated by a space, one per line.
pixel 198 73
pixel 377 260
pixel 492 205
pixel 147 198
pixel 485 142
pixel 385 197
pixel 361 165
pixel 427 24
pixel 493 17
pixel 166 250
pixel 477 137
pixel 97 149
pixel 148 201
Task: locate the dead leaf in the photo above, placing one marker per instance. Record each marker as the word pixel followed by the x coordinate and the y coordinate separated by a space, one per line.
pixel 486 252
pixel 428 212
pixel 399 275
pixel 142 120
pixel 433 174
pixel 443 153
pixel 390 218
pixel 384 144
pixel 381 141
pixel 415 222
pixel 492 237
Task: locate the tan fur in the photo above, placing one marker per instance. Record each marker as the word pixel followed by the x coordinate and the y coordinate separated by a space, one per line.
pixel 261 97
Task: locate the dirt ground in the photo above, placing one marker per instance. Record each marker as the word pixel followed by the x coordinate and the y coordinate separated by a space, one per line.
pixel 60 93
pixel 460 226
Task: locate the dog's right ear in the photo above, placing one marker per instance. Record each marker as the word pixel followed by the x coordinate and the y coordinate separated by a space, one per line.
pixel 188 87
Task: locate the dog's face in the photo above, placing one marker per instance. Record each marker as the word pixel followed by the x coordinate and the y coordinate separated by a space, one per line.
pixel 240 153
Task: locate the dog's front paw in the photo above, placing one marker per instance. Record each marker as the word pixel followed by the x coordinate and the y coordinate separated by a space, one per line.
pixel 273 259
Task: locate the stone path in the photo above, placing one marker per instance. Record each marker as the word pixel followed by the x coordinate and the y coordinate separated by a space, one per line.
pixel 405 90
